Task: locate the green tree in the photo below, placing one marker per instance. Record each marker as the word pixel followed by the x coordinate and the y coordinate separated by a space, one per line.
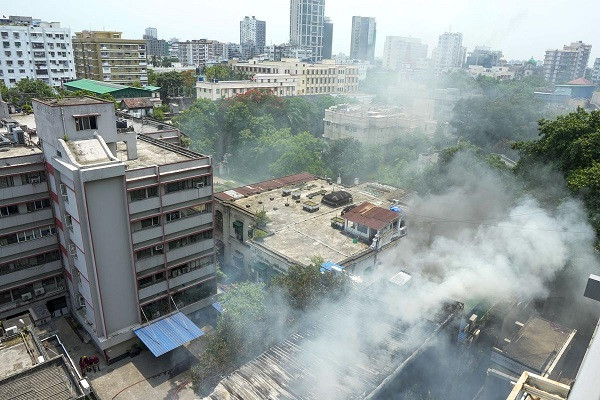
pixel 223 73
pixel 202 123
pixel 152 77
pixel 136 84
pixel 171 84
pixel 570 143
pixel 25 90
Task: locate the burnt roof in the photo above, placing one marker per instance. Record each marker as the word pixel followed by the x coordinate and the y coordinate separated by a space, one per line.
pixel 138 102
pixel 271 184
pixel 370 215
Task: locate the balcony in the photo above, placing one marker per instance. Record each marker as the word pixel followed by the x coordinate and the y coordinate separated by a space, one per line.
pixel 29 245
pixel 189 250
pixel 193 275
pixel 144 205
pixel 186 195
pixel 152 290
pixel 32 272
pixel 144 235
pixel 188 223
pixel 150 262
pixel 27 218
pixel 23 190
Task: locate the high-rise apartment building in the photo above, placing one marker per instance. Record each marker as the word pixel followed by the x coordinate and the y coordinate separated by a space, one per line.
pixel 307 18
pixel 402 52
pixel 596 72
pixel 449 53
pixel 327 38
pixel 364 32
pixel 561 66
pixel 133 219
pixel 199 52
pixel 35 49
pixel 106 56
pixel 151 33
pixel 173 48
pixel 252 36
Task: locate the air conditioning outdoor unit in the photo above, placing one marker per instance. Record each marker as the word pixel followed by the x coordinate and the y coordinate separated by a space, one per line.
pixel 26 296
pixel 73 250
pixel 39 292
pixel 63 190
pixel 158 247
pixel 199 185
pixel 35 180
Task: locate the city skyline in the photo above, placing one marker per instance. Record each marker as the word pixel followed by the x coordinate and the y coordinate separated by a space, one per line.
pixel 521 28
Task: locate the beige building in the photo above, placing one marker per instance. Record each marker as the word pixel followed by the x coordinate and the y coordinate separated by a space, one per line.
pixel 327 77
pixel 106 56
pixel 370 125
pixel 278 84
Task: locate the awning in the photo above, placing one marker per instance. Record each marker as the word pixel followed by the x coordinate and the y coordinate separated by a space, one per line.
pixel 168 333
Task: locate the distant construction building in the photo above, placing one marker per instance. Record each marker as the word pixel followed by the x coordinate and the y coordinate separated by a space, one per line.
pixel 107 56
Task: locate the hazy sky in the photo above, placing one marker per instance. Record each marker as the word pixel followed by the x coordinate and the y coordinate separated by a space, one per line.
pixel 520 28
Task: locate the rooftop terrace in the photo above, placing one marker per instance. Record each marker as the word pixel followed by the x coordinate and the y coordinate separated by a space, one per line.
pixel 72 101
pixel 298 234
pixel 152 152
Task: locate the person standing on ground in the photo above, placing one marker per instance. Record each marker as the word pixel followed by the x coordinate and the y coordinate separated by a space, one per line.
pixel 96 362
pixel 88 364
pixel 82 366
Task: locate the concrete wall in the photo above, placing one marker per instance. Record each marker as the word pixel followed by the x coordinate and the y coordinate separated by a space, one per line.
pixel 112 252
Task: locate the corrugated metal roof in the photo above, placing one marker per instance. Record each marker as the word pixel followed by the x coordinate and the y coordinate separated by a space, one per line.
pixel 168 333
pixel 138 102
pixel 152 88
pixel 368 214
pixel 95 86
pixel 260 187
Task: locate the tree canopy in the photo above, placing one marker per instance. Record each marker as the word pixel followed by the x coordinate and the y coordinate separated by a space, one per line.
pixel 25 90
pixel 223 73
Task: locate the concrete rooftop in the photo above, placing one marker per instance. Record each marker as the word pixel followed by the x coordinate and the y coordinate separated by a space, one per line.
pixel 149 154
pixel 300 235
pixel 14 359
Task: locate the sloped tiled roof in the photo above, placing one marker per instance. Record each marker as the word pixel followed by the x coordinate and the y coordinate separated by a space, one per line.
pixel 138 102
pixel 368 214
pixel 581 81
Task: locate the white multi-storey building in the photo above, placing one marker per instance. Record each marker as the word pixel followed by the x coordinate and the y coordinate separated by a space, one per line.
pixel 200 52
pixel 400 52
pixel 596 72
pixel 134 222
pixel 36 50
pixel 278 84
pixel 364 34
pixel 252 36
pixel 449 53
pixel 307 18
pixel 566 64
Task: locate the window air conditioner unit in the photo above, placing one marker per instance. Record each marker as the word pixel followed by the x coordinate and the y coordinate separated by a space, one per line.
pixel 39 292
pixel 199 185
pixel 158 247
pixel 26 296
pixel 63 190
pixel 68 221
pixel 73 250
pixel 35 180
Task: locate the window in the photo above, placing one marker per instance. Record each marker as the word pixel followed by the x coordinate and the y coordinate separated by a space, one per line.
pixel 184 241
pixel 142 194
pixel 149 252
pixel 33 177
pixel 6 181
pixel 86 122
pixel 149 222
pixel 29 262
pixel 24 236
pixel 172 216
pixel 175 186
pixel 69 222
pixel 9 210
pixel 38 205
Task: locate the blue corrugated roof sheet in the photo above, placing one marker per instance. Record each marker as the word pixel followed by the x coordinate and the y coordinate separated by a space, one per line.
pixel 168 333
pixel 330 266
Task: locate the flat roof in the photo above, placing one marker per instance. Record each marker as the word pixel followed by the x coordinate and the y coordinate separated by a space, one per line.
pixel 88 151
pixel 150 153
pixel 148 126
pixel 14 359
pixel 537 343
pixel 95 86
pixel 298 234
pixel 72 101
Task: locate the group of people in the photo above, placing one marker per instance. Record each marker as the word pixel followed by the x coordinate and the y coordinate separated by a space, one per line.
pixel 89 364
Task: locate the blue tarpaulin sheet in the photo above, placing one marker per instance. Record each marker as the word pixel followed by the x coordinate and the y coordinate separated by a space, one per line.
pixel 330 266
pixel 168 333
pixel 395 209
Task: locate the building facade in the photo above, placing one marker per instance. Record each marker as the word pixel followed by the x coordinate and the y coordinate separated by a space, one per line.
pixel 564 65
pixel 327 38
pixel 324 78
pixel 364 34
pixel 401 53
pixel 278 84
pixel 253 36
pixel 36 50
pixel 156 47
pixel 200 52
pixel 499 73
pixel 151 33
pixel 596 72
pixel 31 271
pixel 484 56
pixel 449 53
pixel 286 50
pixel 307 18
pixel 152 254
pixel 107 56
